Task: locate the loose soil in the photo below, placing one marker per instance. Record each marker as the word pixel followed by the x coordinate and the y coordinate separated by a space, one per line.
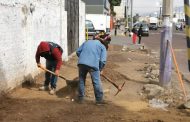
pixel 28 104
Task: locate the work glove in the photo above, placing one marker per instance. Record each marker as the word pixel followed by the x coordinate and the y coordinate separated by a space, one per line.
pixel 38 65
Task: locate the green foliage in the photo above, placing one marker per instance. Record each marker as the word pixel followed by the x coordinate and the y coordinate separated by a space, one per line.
pixel 115 2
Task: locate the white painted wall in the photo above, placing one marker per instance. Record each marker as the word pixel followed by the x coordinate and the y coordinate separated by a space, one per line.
pixel 21 32
pixel 81 22
pixel 119 10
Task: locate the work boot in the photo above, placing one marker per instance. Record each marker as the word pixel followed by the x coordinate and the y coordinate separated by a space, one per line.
pixel 44 88
pixel 102 102
pixel 80 100
pixel 52 91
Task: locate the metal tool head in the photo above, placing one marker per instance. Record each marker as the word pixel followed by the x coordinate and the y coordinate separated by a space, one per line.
pixel 120 88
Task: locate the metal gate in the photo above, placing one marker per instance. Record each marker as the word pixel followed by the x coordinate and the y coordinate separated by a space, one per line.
pixel 72 8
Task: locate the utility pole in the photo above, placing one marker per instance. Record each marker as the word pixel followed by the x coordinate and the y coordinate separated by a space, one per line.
pixel 127 14
pixel 160 12
pixel 125 9
pixel 187 26
pixel 166 38
pixel 131 14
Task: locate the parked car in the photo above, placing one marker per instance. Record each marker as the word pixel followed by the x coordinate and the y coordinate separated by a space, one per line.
pixel 153 26
pixel 90 28
pixel 145 28
pixel 179 26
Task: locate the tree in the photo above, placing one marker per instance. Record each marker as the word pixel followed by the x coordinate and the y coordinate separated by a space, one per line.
pixel 136 18
pixel 114 3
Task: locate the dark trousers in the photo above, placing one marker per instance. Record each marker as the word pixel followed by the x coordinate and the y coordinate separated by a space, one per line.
pixel 49 78
pixel 139 39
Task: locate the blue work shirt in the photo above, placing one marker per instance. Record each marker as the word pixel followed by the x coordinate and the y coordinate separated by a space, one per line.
pixel 93 54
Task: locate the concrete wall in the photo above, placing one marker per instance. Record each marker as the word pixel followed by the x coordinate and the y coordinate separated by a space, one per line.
pixel 81 22
pixel 97 7
pixel 24 23
pixel 120 11
pixel 94 2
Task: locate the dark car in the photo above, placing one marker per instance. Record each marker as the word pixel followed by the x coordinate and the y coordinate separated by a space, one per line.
pixel 90 30
pixel 145 28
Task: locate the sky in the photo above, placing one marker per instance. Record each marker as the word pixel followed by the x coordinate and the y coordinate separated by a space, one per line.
pixel 151 6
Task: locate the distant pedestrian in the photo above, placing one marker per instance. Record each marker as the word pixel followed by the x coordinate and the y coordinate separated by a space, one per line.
pixel 118 24
pixel 92 59
pixel 140 31
pixel 181 27
pixel 52 52
pixel 134 36
pixel 115 30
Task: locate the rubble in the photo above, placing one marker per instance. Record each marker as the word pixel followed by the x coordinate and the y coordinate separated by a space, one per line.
pixel 136 47
pixel 187 104
pixel 151 72
pixel 152 90
pixel 157 103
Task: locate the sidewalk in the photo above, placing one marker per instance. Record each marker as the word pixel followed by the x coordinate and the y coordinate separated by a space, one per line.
pixel 29 104
pixel 125 41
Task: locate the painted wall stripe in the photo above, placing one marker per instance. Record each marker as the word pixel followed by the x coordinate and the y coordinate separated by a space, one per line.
pixel 188 42
pixel 186 2
pixel 187 22
pixel 187 31
pixel 187 10
pixel 187 19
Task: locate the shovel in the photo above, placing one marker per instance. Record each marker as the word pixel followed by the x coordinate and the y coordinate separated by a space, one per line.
pixel 71 83
pixel 52 73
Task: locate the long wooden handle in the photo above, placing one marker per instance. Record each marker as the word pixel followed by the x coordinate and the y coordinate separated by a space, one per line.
pixel 178 72
pixel 109 80
pixel 52 72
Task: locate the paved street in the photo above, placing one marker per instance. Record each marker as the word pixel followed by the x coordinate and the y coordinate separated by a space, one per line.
pixel 153 42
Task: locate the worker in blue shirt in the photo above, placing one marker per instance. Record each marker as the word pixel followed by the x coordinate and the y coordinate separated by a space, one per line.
pixel 92 58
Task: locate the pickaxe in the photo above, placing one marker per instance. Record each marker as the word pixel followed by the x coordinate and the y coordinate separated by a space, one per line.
pixel 119 87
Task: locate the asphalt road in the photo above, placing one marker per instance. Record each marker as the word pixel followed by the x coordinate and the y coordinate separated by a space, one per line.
pixel 153 42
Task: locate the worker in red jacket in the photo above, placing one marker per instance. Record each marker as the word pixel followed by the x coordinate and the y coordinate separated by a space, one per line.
pixel 134 36
pixel 52 52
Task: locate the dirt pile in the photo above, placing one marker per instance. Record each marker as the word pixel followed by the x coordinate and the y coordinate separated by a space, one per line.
pixel 28 104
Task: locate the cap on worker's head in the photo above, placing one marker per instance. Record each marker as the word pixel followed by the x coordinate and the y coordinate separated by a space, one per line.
pixel 103 38
pixel 106 37
pixel 43 47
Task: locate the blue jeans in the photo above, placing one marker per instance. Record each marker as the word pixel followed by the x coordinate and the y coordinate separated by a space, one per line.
pixel 49 78
pixel 95 76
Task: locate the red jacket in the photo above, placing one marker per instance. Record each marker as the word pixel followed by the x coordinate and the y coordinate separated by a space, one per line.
pixel 55 54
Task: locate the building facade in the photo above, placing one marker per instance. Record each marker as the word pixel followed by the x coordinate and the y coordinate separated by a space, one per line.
pixel 97 7
pixel 24 24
